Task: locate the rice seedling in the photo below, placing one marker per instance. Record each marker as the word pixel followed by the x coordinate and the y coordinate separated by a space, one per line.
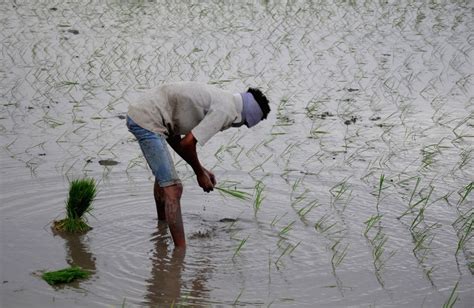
pixel 323 225
pixel 316 132
pixel 269 268
pixel 378 252
pixel 276 219
pixel 33 165
pixel 379 241
pixel 414 191
pixel 418 219
pixel 287 251
pixel 273 134
pixel 259 165
pixel 423 201
pixel 229 148
pixel 422 238
pixel 461 135
pixel 302 212
pixel 65 275
pixel 53 123
pixel 239 194
pixel 81 194
pixel 259 197
pixel 277 262
pixel 428 155
pixel 371 222
pixel 219 151
pixel 286 229
pixel 339 191
pixel 312 109
pixel 267 142
pixel 338 255
pixel 466 158
pixel 67 83
pixel 465 231
pixel 238 297
pixel 453 298
pixel 288 151
pixel 318 155
pixel 293 248
pixel 382 178
pixel 299 198
pixel 241 244
pixel 254 148
pixel 464 192
pixel 282 118
pixel 295 186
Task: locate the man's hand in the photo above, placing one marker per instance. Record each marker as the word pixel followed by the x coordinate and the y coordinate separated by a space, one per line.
pixel 206 180
pixel 186 148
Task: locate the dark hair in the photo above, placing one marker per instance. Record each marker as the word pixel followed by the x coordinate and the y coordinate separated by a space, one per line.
pixel 261 100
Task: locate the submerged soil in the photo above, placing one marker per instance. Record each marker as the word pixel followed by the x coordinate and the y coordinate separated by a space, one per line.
pixel 365 162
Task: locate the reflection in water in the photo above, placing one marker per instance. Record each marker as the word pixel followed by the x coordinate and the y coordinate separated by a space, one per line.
pixel 166 284
pixel 78 253
pixel 198 289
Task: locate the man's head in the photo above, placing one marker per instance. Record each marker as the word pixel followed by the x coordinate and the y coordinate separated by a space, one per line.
pixel 261 100
pixel 255 107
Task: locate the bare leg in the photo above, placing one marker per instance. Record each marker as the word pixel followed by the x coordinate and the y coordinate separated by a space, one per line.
pixel 172 197
pixel 159 201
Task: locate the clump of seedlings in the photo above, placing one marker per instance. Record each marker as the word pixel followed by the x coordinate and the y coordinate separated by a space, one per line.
pixel 242 195
pixel 81 194
pixel 65 275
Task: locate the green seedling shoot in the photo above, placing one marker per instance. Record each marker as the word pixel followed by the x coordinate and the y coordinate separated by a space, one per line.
pixel 258 196
pixel 453 298
pixel 241 244
pixel 65 275
pixel 371 222
pixel 242 195
pixel 81 194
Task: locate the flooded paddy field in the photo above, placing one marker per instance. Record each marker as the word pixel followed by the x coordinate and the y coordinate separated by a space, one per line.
pixel 361 178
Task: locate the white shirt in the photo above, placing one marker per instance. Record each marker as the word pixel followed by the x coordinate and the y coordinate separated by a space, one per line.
pixel 183 107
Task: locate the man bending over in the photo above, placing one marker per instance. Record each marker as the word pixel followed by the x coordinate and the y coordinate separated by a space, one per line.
pixel 183 114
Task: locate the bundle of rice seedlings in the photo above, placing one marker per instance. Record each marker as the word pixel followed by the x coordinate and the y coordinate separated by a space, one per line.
pixel 65 275
pixel 81 194
pixel 242 195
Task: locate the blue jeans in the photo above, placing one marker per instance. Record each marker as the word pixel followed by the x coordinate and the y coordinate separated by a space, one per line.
pixel 155 150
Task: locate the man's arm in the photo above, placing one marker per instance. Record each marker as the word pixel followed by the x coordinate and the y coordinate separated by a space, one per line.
pixel 186 148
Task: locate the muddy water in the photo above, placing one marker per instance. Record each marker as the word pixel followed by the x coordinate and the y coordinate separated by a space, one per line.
pixel 372 118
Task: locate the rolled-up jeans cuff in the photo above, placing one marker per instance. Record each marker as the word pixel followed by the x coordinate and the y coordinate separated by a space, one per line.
pixel 168 183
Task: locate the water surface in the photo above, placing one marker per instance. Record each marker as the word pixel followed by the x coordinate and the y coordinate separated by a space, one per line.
pixel 372 118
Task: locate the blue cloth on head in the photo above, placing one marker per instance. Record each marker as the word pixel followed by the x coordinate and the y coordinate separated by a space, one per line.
pixel 251 111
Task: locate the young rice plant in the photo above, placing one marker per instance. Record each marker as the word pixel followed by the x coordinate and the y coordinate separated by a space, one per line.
pixel 81 194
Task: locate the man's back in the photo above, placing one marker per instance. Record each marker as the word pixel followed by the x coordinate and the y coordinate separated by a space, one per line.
pixel 178 108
